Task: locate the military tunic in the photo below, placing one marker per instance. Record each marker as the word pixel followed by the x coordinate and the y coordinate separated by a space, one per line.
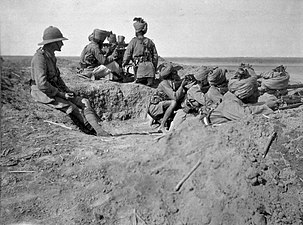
pixel 143 53
pixel 171 91
pixel 47 82
pixel 232 108
pixel 92 56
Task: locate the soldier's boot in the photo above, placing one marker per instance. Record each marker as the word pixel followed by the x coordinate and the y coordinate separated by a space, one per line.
pixel 92 119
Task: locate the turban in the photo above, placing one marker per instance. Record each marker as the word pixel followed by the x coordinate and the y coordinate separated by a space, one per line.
pixel 100 35
pixel 216 77
pixel 202 73
pixel 140 25
pixel 166 71
pixel 277 79
pixel 243 88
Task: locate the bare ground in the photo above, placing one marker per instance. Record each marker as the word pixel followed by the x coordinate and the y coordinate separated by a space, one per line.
pixel 54 175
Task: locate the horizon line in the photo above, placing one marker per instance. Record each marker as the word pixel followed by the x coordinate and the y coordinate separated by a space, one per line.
pixel 189 57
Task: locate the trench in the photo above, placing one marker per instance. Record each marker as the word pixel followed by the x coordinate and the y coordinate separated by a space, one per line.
pixel 116 101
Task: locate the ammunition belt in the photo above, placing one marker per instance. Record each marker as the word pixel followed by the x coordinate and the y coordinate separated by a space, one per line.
pixel 141 59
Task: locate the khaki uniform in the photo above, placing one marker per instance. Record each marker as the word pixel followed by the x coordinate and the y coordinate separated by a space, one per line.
pixel 232 108
pixel 143 53
pixel 195 98
pixel 166 91
pixel 92 57
pixel 46 83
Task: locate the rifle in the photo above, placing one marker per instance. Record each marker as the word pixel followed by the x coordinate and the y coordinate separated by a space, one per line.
pixel 294 86
pixel 290 101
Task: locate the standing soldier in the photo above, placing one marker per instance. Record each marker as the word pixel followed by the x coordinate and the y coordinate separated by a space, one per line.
pixel 142 51
pixel 48 87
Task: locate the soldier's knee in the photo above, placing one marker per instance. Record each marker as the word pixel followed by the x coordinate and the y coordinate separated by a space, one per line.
pixel 86 102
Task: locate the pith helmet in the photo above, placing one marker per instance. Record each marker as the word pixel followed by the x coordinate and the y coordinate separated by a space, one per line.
pixel 52 34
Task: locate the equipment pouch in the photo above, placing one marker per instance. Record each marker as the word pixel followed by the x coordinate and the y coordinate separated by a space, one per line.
pixel 145 69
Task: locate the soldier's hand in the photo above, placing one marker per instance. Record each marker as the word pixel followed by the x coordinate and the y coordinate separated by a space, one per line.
pixel 184 83
pixel 69 95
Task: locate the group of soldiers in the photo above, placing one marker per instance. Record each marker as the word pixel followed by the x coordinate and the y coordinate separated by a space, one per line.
pixel 112 60
pixel 215 96
pixel 207 95
pixel 97 60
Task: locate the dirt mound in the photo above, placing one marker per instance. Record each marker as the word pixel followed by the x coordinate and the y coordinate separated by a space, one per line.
pixel 54 175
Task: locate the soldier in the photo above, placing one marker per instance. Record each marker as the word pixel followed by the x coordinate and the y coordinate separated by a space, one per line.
pixel 167 97
pixel 48 87
pixel 142 52
pixel 218 86
pixel 195 101
pixel 118 47
pixel 93 62
pixel 240 101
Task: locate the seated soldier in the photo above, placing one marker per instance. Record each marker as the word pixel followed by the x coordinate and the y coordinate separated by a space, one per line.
pixel 167 96
pixel 195 101
pixel 239 102
pixel 94 64
pixel 47 86
pixel 115 45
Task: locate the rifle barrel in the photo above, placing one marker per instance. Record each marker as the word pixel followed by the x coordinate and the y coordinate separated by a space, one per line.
pixel 294 86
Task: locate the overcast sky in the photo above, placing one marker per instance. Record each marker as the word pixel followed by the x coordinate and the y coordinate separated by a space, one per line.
pixel 179 28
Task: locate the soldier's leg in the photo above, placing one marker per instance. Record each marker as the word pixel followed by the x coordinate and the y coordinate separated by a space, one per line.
pixel 93 119
pixel 179 118
pixel 170 106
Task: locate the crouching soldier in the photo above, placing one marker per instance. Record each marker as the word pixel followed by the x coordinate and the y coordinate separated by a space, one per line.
pixel 167 96
pixel 48 87
pixel 93 61
pixel 195 101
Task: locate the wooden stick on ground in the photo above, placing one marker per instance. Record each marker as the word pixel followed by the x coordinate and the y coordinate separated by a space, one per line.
pixel 139 217
pixel 177 188
pixel 271 139
pixel 16 74
pixel 58 124
pixel 21 171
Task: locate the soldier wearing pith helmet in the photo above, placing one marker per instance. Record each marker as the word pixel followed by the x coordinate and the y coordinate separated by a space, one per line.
pixel 47 86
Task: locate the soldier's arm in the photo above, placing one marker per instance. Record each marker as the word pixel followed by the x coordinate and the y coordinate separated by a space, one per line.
pixel 170 92
pixel 128 54
pixel 102 59
pixel 196 94
pixel 155 56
